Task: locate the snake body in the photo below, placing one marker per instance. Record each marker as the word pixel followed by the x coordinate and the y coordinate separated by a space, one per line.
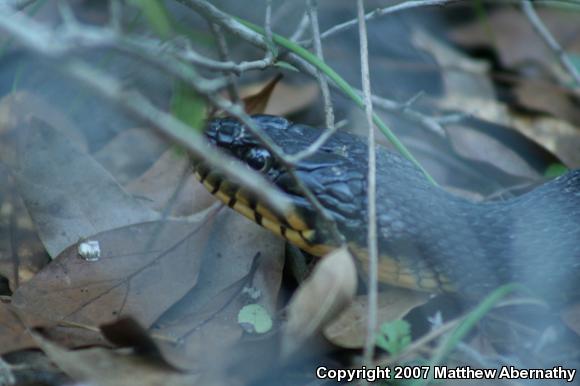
pixel 428 239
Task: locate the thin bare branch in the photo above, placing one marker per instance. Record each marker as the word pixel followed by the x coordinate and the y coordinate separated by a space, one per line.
pixel 373 249
pixel 430 123
pixel 313 148
pixel 542 30
pixel 378 13
pixel 301 29
pixel 224 56
pixel 190 56
pixel 268 22
pixel 226 21
pixel 115 15
pixel 312 6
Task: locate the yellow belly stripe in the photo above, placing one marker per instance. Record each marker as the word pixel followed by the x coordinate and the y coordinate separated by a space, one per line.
pixel 266 218
pixel 242 196
pixel 267 214
pixel 391 271
pixel 395 272
pixel 296 222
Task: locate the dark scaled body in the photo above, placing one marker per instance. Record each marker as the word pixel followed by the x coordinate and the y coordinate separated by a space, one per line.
pixel 428 238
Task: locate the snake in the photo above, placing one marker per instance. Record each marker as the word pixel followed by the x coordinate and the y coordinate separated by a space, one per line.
pixel 429 239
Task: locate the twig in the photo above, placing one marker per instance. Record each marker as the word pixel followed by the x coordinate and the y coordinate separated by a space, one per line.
pixel 378 13
pixel 6 373
pixel 373 269
pixel 301 29
pixel 224 55
pixel 272 51
pixel 190 56
pixel 294 159
pixel 225 20
pixel 115 15
pixel 550 41
pixel 312 6
pixel 56 44
pixel 430 123
pixel 268 22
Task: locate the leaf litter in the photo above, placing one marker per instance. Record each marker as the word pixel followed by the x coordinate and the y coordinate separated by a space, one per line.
pixel 68 194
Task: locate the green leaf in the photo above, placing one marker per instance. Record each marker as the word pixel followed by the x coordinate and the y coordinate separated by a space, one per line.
pixel 256 317
pixel 156 15
pixel 394 336
pixel 188 106
pixel 555 170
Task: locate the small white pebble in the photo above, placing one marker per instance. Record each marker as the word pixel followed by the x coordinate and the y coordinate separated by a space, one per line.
pixel 89 250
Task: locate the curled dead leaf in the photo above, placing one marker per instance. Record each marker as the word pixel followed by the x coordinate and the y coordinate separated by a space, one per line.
pixel 318 301
pixel 285 98
pixel 257 103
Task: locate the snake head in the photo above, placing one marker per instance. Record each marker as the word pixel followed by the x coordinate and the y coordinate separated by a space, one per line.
pixel 333 173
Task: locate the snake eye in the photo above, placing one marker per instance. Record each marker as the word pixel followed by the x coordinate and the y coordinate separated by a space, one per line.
pixel 258 159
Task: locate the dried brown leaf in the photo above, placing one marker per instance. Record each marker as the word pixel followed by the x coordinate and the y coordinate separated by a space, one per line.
pixel 479 146
pixel 515 39
pixel 205 321
pixel 286 98
pixel 122 159
pixel 128 279
pixel 20 107
pixel 256 103
pixel 22 254
pixel 13 334
pixel 169 183
pixel 558 136
pixel 469 89
pixel 548 98
pixel 68 194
